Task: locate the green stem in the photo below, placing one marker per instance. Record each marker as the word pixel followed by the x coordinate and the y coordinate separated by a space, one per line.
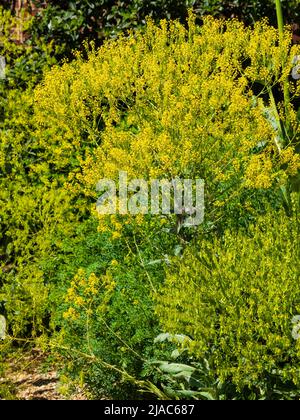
pixel 286 89
pixel 279 17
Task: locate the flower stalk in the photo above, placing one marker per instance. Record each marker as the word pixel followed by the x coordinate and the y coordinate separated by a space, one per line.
pixel 286 90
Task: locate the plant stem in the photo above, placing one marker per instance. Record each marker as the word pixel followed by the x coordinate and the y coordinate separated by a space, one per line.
pixel 279 17
pixel 286 89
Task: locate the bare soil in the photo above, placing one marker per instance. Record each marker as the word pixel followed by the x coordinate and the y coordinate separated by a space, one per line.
pixel 30 378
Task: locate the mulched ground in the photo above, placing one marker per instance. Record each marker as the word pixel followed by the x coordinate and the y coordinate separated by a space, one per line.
pixel 28 379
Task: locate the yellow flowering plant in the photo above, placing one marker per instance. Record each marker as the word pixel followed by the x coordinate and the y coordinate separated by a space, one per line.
pixel 235 298
pixel 183 105
pixel 171 101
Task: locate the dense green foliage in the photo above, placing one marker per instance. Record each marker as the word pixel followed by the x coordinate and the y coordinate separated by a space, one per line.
pixel 25 62
pixel 78 20
pixel 173 100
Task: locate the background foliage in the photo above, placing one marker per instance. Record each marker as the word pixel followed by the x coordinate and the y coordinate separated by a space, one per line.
pixel 66 24
pixel 71 22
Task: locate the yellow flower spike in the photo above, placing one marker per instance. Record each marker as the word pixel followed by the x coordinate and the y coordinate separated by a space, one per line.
pixel 116 236
pixel 82 283
pixel 71 314
pixel 114 263
pixel 79 301
pixel 118 227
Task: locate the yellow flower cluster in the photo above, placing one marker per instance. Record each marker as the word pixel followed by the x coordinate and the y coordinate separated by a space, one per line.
pixel 291 159
pixel 260 172
pixel 85 293
pixel 171 102
pixel 71 314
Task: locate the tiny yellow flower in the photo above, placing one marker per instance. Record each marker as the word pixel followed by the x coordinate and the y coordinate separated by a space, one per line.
pixel 116 235
pixel 79 301
pixel 118 226
pixel 71 314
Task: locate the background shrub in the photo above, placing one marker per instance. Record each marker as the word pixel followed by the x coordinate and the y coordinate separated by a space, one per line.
pixel 25 62
pixel 69 23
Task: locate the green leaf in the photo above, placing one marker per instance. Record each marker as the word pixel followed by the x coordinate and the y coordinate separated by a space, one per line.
pixel 177 368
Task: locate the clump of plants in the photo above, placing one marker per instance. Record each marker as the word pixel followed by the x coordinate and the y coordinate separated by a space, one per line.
pixel 169 102
pixel 236 298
